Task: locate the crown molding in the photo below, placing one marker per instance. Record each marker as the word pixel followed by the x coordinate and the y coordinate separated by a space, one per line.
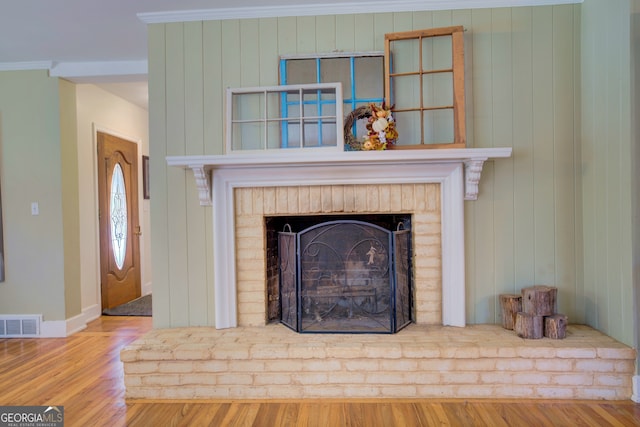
pixel 98 69
pixel 27 65
pixel 373 6
pixel 79 70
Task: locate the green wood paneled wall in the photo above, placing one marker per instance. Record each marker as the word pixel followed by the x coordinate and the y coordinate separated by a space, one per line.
pixel 607 288
pixel 523 81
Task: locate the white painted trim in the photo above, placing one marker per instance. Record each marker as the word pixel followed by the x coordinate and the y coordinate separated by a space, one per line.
pixel 79 323
pixel 76 71
pixel 473 159
pixel 452 236
pixel 99 69
pixel 449 175
pixel 53 329
pixel 636 389
pixel 26 65
pixel 68 327
pixel 319 9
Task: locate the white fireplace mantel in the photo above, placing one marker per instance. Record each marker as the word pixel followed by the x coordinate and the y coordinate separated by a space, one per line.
pixel 457 171
pixel 472 158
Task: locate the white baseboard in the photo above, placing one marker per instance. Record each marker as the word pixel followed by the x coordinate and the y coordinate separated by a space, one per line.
pixel 636 389
pixel 53 329
pixel 65 328
pixel 146 288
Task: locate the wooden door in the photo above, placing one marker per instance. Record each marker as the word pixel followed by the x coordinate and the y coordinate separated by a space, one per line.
pixel 118 218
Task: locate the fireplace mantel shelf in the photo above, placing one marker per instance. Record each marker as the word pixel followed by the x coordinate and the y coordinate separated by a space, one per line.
pixel 472 158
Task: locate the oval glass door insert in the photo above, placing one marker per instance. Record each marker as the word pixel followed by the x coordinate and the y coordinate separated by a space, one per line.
pixel 118 216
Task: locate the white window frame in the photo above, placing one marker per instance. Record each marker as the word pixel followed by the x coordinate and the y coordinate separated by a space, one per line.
pixel 338 117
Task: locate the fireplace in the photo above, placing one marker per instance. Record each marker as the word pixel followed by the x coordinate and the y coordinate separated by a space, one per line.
pixel 340 274
pixel 328 182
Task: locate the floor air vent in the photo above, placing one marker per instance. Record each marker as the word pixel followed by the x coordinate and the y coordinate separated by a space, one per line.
pixel 20 326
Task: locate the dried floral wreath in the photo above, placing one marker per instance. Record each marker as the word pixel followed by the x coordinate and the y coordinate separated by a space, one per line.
pixel 381 128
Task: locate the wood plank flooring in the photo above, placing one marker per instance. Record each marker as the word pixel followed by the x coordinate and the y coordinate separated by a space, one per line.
pixel 83 373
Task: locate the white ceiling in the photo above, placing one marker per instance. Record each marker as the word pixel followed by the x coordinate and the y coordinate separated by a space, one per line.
pixel 105 41
pixel 69 34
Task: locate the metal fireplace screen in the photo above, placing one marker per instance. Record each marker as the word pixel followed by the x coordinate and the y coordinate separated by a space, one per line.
pixel 345 277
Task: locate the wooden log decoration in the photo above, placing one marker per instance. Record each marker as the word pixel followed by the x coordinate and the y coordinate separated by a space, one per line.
pixel 555 326
pixel 539 300
pixel 529 326
pixel 510 304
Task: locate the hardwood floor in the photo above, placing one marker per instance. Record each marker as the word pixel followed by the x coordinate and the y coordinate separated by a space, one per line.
pixel 83 373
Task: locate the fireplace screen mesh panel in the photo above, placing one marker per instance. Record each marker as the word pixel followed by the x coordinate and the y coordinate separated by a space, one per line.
pixel 345 276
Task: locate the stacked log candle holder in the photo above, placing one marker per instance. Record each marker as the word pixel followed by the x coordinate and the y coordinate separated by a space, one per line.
pixel 533 314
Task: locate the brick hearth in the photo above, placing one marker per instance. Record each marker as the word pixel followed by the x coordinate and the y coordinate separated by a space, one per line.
pixel 478 361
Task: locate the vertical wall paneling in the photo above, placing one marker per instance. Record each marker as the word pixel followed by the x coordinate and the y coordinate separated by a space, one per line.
pixel 176 178
pixel 602 180
pixel 606 169
pixel 268 55
pixel 230 58
pixel 578 291
pixel 402 21
pixel 443 18
pixel 482 81
pixel 382 24
pixel 543 119
pixel 250 45
pixel 555 213
pixel 325 33
pixel 479 232
pixel 627 183
pixel 346 32
pixel 588 89
pixel 306 34
pixel 194 87
pixel 286 43
pixel 422 20
pixel 364 33
pixel 522 158
pixel 484 231
pixel 619 168
pixel 564 84
pixel 502 127
pixel 159 204
pixel 213 133
pixel 213 91
pixel 635 175
pixel 194 142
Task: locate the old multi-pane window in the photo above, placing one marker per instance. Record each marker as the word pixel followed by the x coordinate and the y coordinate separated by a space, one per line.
pixel 424 80
pixel 361 76
pixel 284 117
pixel 420 74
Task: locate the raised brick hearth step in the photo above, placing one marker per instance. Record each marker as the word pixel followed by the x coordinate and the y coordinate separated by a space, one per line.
pixel 478 361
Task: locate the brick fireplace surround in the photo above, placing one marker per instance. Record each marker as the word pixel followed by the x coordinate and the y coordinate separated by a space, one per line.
pixel 437 356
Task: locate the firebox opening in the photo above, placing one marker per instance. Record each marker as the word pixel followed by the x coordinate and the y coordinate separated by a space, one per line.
pixel 340 273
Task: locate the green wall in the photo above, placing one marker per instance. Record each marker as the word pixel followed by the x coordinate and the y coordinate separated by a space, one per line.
pixel 31 171
pixel 524 90
pixel 70 198
pixel 607 290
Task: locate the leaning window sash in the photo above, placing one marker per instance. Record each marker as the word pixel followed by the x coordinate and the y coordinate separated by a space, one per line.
pixel 455 70
pixel 261 115
pixel 352 99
